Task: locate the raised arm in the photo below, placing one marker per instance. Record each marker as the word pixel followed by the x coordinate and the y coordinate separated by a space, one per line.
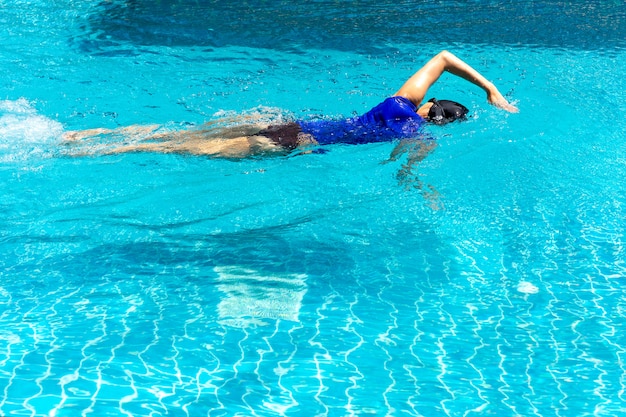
pixel 415 88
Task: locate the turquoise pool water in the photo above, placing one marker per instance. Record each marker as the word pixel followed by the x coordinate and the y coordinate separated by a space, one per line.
pixel 487 281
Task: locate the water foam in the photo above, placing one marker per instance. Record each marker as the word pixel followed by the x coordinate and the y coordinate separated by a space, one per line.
pixel 24 132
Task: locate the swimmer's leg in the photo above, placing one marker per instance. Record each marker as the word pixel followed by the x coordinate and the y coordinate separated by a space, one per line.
pixel 232 148
pixel 142 147
pixel 259 145
pixel 235 148
pixel 76 135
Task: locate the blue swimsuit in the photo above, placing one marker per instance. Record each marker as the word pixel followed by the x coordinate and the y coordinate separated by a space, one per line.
pixel 394 118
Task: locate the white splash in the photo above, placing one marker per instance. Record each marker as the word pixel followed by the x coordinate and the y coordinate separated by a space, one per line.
pixel 23 132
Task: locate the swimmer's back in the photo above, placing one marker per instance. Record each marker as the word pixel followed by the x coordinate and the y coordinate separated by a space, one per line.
pixel 394 118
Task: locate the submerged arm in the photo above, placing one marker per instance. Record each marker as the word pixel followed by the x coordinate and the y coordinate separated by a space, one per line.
pixel 415 88
pixel 408 177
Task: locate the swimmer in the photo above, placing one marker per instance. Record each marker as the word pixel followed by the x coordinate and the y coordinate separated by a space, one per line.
pixel 397 117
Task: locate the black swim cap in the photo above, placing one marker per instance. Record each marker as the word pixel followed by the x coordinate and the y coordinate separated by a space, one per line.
pixel 445 111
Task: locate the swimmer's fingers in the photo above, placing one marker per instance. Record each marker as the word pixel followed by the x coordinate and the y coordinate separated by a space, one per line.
pixel 497 99
pixel 505 105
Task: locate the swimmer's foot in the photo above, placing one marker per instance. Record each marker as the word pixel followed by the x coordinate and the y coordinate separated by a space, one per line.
pixel 74 135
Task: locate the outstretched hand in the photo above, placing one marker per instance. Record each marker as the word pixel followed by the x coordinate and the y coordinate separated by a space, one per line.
pixel 495 98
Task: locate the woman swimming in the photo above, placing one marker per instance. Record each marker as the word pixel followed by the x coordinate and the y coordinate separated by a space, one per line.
pixel 397 117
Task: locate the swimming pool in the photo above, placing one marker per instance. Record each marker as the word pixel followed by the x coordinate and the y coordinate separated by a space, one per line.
pixel 487 282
